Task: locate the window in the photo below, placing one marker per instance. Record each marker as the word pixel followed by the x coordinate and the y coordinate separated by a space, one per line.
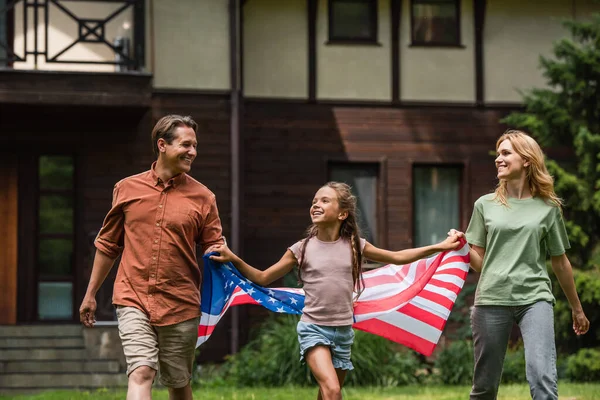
pixel 353 21
pixel 436 202
pixel 435 22
pixel 363 178
pixel 55 237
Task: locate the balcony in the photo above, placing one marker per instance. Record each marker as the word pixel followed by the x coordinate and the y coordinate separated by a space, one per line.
pixel 85 52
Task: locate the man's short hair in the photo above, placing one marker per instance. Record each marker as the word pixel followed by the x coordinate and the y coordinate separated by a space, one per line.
pixel 165 128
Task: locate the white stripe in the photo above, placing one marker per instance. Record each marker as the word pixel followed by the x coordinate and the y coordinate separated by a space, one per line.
pixel 450 295
pixel 456 264
pixel 450 279
pixel 377 314
pixel 430 306
pixel 412 325
pixel 383 291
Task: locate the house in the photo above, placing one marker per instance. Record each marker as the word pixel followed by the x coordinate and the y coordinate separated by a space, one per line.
pixel 400 98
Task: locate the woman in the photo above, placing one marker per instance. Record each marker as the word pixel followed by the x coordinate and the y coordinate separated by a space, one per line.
pixel 511 232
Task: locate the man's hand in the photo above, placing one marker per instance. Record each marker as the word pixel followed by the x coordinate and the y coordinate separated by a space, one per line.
pixel 87 311
pixel 580 323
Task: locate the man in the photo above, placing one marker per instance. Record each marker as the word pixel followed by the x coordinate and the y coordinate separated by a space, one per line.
pixel 156 220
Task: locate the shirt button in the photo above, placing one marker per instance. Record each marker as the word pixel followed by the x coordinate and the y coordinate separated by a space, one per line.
pixel 156 241
pixel 150 295
pixel 160 206
pixel 154 258
pixel 157 224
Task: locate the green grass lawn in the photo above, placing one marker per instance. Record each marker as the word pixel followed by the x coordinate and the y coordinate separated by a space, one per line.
pixel 568 391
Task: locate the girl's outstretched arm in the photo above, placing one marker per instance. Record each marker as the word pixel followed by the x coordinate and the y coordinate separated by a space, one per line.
pixel 262 278
pixel 409 255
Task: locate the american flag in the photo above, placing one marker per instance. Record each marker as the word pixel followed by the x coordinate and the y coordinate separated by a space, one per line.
pixel 408 304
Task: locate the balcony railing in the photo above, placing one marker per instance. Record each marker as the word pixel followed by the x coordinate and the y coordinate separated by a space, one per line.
pixel 61 34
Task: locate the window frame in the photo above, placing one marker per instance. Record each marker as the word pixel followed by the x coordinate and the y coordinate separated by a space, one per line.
pixel 463 167
pixel 416 43
pixel 374 19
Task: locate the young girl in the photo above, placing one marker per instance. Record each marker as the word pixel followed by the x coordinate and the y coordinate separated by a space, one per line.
pixel 329 263
pixel 510 233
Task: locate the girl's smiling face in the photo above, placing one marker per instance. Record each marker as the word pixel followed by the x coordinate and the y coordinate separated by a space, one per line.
pixel 325 207
pixel 509 164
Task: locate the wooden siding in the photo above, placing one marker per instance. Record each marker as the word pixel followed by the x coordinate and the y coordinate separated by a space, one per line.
pixel 287 147
pixel 8 239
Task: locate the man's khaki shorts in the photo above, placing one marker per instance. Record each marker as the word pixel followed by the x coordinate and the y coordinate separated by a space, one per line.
pixel 167 349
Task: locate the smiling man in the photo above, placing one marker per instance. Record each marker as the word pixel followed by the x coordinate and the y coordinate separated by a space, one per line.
pixel 156 220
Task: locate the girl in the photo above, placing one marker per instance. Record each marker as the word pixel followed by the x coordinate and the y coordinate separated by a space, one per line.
pixel 329 263
pixel 510 233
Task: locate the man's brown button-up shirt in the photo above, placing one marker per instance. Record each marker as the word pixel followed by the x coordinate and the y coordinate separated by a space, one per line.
pixel 156 227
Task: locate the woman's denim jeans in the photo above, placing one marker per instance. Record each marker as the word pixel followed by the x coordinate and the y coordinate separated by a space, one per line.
pixel 491 329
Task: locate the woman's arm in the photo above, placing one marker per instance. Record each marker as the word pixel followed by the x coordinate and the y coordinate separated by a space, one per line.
pixel 409 255
pixel 564 273
pixel 476 254
pixel 262 278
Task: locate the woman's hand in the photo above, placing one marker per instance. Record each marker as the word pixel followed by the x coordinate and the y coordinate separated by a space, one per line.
pixel 225 253
pixel 580 322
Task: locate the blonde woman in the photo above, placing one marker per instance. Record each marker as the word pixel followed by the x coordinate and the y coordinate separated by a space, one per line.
pixel 511 233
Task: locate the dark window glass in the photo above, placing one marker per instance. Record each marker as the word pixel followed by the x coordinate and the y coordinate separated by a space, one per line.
pixel 56 214
pixel 435 22
pixel 55 237
pixel 353 20
pixel 362 177
pixel 55 256
pixel 436 202
pixel 56 172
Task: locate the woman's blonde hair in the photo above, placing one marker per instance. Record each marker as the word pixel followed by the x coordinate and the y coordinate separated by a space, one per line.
pixel 541 183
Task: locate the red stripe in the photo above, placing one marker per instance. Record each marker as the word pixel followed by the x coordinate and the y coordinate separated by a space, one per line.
pixel 205 330
pixel 397 335
pixel 446 285
pixel 437 298
pixel 423 316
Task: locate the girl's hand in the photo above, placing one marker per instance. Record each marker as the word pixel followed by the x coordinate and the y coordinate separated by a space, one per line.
pixel 580 322
pixel 452 242
pixel 457 233
pixel 225 253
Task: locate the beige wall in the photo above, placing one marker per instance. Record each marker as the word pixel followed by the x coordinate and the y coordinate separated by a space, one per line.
pixel 276 48
pixel 438 73
pixel 354 72
pixel 516 33
pixel 63 31
pixel 191 44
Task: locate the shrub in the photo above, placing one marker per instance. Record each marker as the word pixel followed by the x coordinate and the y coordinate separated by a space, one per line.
pixel 379 362
pixel 584 366
pixel 454 364
pixel 271 358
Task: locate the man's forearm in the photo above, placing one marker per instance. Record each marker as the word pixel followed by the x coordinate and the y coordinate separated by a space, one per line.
pixel 100 269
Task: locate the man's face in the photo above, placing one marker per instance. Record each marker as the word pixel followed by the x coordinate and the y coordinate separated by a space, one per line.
pixel 179 155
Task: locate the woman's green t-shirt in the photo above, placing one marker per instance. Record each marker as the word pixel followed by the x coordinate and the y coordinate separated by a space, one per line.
pixel 517 240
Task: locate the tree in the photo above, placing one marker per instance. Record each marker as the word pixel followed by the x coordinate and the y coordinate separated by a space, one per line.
pixel 566 114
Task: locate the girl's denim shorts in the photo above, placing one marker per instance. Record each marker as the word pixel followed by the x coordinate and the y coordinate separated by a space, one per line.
pixel 338 338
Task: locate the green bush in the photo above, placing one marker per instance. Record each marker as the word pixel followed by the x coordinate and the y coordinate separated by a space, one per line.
pixel 513 370
pixel 584 366
pixel 454 364
pixel 271 358
pixel 379 362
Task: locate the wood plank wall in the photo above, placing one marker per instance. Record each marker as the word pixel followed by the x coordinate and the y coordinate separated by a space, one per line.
pixel 8 239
